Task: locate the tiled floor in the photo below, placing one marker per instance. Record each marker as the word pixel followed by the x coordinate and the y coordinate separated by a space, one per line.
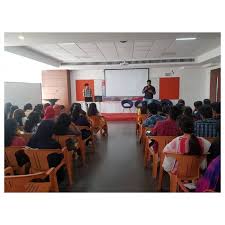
pixel 116 166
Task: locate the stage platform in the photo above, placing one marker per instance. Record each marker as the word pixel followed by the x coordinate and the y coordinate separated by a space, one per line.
pixel 120 116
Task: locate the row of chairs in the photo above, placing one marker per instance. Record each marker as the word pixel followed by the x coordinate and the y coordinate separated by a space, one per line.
pixel 17 181
pixel 189 166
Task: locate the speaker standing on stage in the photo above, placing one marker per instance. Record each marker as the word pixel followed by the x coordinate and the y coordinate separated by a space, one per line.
pixel 87 93
pixel 149 91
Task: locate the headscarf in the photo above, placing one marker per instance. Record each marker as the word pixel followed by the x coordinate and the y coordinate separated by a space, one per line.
pixel 49 113
pixel 57 109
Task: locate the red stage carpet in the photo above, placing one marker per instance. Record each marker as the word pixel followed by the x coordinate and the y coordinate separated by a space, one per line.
pixel 120 116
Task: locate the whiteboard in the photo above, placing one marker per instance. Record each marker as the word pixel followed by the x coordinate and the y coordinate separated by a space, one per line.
pixel 19 93
pixel 125 82
pixel 98 87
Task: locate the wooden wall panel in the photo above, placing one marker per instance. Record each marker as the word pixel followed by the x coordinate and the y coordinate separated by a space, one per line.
pixel 215 85
pixel 56 84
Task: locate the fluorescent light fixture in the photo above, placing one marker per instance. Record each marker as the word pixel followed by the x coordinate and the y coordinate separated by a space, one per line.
pixel 186 39
pixel 21 37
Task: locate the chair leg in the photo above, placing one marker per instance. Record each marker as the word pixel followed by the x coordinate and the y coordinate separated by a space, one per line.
pixel 159 188
pixel 173 183
pixel 146 156
pixel 155 165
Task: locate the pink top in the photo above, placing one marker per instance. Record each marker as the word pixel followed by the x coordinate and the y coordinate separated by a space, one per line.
pixel 18 141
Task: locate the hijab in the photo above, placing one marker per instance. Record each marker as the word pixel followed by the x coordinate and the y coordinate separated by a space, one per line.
pixel 49 113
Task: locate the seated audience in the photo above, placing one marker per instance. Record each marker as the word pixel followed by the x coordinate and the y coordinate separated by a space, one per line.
pixel 93 111
pixel 210 181
pixel 42 139
pixel 32 122
pixel 153 117
pixel 207 127
pixel 216 114
pixel 181 102
pixel 79 119
pixel 206 102
pixel 46 105
pixel 188 111
pixel 40 109
pixel 11 137
pixel 57 109
pixel 196 113
pixel 164 110
pixel 49 113
pixel 63 126
pixel 168 127
pixel 63 109
pixel 20 117
pixel 12 109
pixel 28 108
pixel 214 150
pixel 144 108
pixel 188 143
pixel 7 109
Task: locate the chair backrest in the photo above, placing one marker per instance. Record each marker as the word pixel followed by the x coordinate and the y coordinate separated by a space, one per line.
pixel 142 117
pixel 96 121
pixel 18 183
pixel 63 138
pixel 39 157
pixel 127 101
pixel 188 165
pixel 10 156
pixel 162 141
pixel 26 136
pixel 210 139
pixel 138 104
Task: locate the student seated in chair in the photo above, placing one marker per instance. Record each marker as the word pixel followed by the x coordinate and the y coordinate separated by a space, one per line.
pixel 20 117
pixel 11 136
pixel 168 127
pixel 28 108
pixel 207 127
pixel 196 113
pixel 42 139
pixel 210 181
pixel 79 119
pixel 153 115
pixel 63 126
pixel 188 143
pixel 216 114
pixel 93 111
pixel 32 122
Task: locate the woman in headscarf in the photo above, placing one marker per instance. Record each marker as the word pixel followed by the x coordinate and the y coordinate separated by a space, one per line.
pixel 49 113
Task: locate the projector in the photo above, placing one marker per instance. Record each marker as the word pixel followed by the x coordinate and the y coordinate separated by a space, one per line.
pixel 124 63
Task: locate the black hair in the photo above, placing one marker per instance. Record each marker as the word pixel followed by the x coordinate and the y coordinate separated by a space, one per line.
pixel 206 101
pixel 75 113
pixel 12 109
pixel 46 105
pixel 92 110
pixel 62 124
pixel 62 107
pixel 188 111
pixel 86 84
pixel 180 106
pixel 149 81
pixel 7 109
pixel 33 119
pixel 10 131
pixel 205 111
pixel 153 108
pixel 174 112
pixel 18 115
pixel 216 107
pixel 144 107
pixel 181 102
pixel 197 104
pixel 187 126
pixel 28 106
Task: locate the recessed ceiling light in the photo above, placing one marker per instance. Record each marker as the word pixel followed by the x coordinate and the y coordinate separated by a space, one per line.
pixel 21 37
pixel 186 39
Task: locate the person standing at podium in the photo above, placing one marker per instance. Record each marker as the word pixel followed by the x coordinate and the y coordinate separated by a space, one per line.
pixel 87 93
pixel 149 91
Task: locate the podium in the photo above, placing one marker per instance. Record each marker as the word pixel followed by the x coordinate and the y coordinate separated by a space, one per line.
pixel 52 100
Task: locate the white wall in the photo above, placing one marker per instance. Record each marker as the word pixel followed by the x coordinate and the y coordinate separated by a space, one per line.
pixel 194 81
